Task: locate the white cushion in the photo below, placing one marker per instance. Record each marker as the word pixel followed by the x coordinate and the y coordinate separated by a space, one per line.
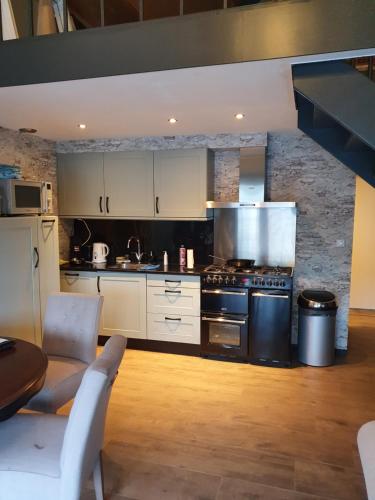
pixel 30 449
pixel 40 437
pixel 63 378
pixel 366 445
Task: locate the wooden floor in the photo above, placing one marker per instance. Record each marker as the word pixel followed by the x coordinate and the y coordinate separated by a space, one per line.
pixel 189 428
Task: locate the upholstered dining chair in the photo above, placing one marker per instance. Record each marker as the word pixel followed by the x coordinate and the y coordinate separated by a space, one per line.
pixel 50 457
pixel 70 336
pixel 366 446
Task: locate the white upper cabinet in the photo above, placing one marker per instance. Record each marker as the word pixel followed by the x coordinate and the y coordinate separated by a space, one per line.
pixel 81 184
pixel 173 184
pixel 183 183
pixel 129 184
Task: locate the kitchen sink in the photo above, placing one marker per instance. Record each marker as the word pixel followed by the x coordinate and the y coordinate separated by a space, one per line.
pixel 131 266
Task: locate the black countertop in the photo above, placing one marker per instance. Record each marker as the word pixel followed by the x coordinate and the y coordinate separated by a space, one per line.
pixel 171 269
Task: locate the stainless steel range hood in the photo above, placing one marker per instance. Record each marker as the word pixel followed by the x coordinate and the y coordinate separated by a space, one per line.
pixel 252 181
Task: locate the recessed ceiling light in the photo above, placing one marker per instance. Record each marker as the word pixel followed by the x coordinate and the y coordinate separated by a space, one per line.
pixel 26 130
pixel 82 126
pixel 239 116
pixel 172 120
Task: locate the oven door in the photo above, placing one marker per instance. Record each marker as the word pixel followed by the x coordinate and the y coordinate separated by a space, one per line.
pixel 226 300
pixel 225 335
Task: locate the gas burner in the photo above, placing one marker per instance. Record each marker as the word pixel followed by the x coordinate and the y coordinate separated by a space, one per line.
pixel 215 268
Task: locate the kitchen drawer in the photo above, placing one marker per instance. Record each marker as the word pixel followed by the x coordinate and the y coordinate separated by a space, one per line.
pixel 173 281
pixel 78 282
pixel 162 300
pixel 174 328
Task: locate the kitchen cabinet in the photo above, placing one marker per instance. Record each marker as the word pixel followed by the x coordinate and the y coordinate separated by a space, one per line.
pixel 124 307
pixel 28 273
pixel 173 184
pixel 173 308
pixel 183 182
pixel 79 282
pixel 80 180
pixel 129 184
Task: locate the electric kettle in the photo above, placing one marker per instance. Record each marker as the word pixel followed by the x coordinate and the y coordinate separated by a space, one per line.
pixel 99 253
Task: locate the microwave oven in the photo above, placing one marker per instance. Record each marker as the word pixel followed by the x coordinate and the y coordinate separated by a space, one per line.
pixel 20 197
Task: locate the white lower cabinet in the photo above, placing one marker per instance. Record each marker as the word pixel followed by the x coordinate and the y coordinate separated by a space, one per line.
pixel 156 307
pixel 173 308
pixel 124 307
pixel 173 328
pixel 78 282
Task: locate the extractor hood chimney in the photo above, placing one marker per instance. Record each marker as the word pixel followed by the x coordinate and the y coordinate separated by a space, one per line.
pixel 252 183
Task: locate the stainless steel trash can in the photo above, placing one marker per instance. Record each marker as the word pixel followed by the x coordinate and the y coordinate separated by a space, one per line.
pixel 317 311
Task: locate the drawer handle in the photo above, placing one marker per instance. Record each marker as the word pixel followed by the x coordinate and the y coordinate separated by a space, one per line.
pixel 172 319
pixel 172 291
pixel 75 275
pixel 178 282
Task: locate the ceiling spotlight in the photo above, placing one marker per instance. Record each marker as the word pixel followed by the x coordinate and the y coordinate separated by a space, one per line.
pixel 172 120
pixel 26 130
pixel 82 126
pixel 239 116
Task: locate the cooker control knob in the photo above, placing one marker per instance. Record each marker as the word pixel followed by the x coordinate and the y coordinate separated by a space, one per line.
pixel 226 280
pixel 214 279
pixel 220 279
pixel 276 283
pixel 234 280
pixel 254 281
pixel 208 279
pixel 282 283
pixel 262 282
pixel 269 282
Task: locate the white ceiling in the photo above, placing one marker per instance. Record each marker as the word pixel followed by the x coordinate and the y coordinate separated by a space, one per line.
pixel 204 100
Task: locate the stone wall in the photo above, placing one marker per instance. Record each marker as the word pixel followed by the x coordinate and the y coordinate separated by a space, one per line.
pixel 298 170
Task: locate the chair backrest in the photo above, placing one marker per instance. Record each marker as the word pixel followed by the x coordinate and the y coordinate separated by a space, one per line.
pixel 71 325
pixel 83 437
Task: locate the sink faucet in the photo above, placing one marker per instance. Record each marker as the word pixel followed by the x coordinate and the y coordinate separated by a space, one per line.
pixel 138 254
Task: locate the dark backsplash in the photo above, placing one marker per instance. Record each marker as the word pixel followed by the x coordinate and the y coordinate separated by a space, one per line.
pixel 155 236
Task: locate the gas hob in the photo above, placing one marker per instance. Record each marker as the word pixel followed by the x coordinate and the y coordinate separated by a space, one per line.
pixel 255 277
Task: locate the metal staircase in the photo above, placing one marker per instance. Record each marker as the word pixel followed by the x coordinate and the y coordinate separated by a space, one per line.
pixel 336 108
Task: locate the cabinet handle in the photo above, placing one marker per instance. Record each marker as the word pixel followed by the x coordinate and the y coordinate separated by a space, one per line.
pixel 101 204
pixel 98 284
pixel 107 204
pixel 37 257
pixel 173 281
pixel 172 291
pixel 74 275
pixel 172 319
pixel 46 221
pixel 157 204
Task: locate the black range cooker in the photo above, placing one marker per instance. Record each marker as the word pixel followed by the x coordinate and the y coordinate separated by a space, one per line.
pixel 246 313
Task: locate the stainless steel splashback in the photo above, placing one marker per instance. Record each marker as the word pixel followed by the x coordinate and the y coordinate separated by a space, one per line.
pixel 267 235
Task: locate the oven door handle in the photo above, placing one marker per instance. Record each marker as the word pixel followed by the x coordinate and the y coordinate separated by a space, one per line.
pixel 269 295
pixel 223 292
pixel 223 320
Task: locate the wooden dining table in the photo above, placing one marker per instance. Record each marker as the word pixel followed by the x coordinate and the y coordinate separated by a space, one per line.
pixel 22 373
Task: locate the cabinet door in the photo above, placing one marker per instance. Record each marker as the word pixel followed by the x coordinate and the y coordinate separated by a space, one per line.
pixel 79 282
pixel 48 244
pixel 81 184
pixel 124 307
pixel 181 183
pixel 19 279
pixel 129 184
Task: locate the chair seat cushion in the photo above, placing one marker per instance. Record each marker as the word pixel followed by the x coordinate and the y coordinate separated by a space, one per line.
pixel 32 443
pixel 63 378
pixel 366 445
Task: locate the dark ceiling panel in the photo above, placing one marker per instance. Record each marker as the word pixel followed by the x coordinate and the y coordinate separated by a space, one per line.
pixel 265 31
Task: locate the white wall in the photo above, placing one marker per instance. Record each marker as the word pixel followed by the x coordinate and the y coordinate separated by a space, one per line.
pixel 363 264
